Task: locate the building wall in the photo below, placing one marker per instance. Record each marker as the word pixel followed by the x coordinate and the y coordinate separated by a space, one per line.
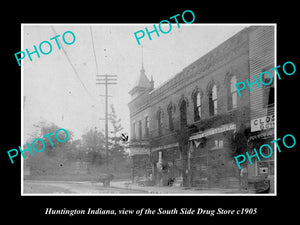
pixel 231 58
pixel 141 167
pixel 139 148
pixel 222 64
pixel 140 117
pixel 139 109
pixel 261 58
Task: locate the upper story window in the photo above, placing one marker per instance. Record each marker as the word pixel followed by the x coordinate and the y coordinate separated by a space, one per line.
pixel 197 105
pixel 140 130
pixel 183 113
pixel 232 94
pixel 146 126
pixel 160 121
pixel 133 131
pixel 213 100
pixel 268 90
pixel 171 111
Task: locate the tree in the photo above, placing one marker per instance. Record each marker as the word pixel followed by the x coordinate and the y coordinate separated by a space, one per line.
pixel 239 141
pixel 117 156
pixel 93 146
pixel 116 123
pixel 52 157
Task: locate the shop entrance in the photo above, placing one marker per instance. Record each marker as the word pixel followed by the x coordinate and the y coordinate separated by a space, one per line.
pixel 209 170
pixel 167 166
pixel 212 167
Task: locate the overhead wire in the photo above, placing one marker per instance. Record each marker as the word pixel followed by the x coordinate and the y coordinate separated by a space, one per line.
pixel 94 50
pixel 74 69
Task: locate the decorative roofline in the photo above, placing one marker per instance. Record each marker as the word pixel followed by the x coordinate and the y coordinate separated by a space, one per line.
pixel 224 51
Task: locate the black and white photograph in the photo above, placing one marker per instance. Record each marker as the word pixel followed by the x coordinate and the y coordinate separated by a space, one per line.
pixel 148 117
pixel 163 114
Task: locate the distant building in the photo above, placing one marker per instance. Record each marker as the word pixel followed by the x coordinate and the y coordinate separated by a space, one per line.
pixel 190 128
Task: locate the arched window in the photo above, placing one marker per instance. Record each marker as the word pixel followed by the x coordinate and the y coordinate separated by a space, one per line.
pixel 160 121
pixel 213 100
pixel 140 130
pixel 146 126
pixel 183 116
pixel 171 110
pixel 197 105
pixel 232 94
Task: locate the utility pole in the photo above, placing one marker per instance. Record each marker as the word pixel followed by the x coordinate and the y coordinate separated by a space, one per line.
pixel 106 80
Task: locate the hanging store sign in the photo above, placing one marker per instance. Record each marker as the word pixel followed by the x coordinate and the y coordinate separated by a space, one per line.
pixel 165 147
pixel 139 151
pixel 262 123
pixel 221 129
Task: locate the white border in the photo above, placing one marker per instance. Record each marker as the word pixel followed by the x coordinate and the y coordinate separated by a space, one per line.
pixel 140 24
pixel 22 111
pixel 275 128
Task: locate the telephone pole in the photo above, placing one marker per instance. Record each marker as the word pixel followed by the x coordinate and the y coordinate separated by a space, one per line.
pixel 106 80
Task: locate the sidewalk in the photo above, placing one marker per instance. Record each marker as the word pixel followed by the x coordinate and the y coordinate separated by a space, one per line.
pixel 174 189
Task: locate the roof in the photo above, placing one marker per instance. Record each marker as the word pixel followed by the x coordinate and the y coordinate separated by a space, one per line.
pixel 142 80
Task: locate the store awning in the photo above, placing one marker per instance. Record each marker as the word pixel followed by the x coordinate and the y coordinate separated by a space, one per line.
pixel 165 147
pixel 139 151
pixel 212 131
pixel 262 134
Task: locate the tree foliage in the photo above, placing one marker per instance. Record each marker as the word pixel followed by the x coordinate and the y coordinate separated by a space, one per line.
pixel 117 154
pixel 55 153
pixel 89 149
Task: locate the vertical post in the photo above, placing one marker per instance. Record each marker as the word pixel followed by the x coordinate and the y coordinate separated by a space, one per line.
pixel 189 164
pixel 132 169
pixel 207 181
pixel 106 80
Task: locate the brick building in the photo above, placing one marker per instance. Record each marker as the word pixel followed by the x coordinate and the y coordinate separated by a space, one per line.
pixel 190 128
pixel 139 107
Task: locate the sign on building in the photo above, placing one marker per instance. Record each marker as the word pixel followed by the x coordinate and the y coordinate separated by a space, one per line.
pixel 221 129
pixel 139 151
pixel 262 123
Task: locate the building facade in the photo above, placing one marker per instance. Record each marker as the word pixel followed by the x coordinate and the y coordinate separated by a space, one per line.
pixel 262 101
pixel 189 129
pixel 139 107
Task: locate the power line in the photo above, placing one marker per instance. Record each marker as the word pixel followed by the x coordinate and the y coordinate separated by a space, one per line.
pixel 104 80
pixel 74 69
pixel 94 50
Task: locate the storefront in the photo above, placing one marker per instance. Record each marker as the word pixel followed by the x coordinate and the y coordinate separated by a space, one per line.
pixel 262 132
pixel 167 164
pixel 141 166
pixel 210 158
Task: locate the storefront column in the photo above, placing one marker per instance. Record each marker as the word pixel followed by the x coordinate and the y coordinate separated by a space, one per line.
pixel 132 170
pixel 154 172
pixel 189 164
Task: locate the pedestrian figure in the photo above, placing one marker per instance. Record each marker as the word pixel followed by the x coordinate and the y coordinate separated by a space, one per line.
pixel 171 180
pixel 164 175
pixel 244 178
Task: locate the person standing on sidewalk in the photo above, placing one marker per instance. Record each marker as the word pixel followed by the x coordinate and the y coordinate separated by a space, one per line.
pixel 244 178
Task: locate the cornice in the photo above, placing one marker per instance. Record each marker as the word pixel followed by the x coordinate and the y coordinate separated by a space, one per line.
pixel 227 51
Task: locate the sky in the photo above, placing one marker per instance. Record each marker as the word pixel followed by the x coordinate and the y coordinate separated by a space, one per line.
pixel 61 87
